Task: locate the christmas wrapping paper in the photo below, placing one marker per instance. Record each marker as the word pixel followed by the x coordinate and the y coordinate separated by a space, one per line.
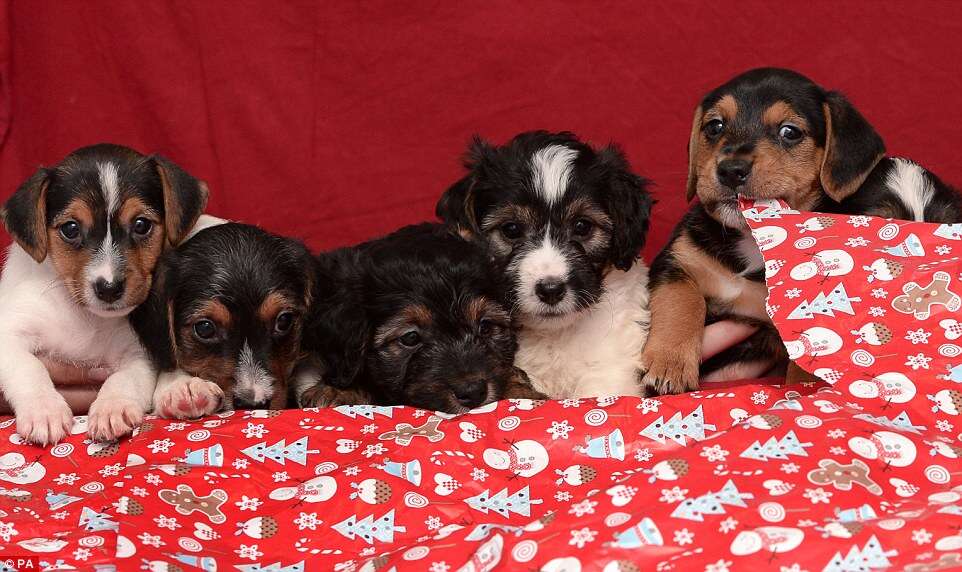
pixel 858 473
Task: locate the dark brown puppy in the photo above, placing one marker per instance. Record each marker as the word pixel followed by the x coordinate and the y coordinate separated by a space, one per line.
pixel 768 133
pixel 413 318
pixel 223 323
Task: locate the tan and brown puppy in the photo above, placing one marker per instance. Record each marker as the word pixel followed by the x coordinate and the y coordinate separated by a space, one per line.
pixel 768 133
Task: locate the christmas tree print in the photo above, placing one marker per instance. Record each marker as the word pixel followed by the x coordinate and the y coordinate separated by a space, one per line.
pixel 519 503
pixel 366 411
pixel 368 529
pixel 275 567
pixel 871 556
pixel 711 503
pixel 57 501
pixel 93 521
pixel 837 300
pixel 776 448
pixel 900 422
pixel 280 452
pixel 692 426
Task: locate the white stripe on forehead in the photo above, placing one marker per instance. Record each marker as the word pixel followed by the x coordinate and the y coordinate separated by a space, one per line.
pixel 552 171
pixel 110 185
pixel 253 381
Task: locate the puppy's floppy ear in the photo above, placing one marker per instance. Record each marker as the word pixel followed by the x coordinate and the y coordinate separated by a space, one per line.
pixel 457 205
pixel 25 215
pixel 852 148
pixel 629 206
pixel 339 331
pixel 184 199
pixel 154 320
pixel 693 141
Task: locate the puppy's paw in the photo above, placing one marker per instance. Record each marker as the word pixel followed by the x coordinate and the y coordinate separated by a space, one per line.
pixel 322 395
pixel 519 387
pixel 668 371
pixel 111 418
pixel 188 398
pixel 46 420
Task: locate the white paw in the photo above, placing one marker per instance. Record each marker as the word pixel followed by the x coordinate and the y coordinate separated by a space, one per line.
pixel 111 418
pixel 188 398
pixel 46 420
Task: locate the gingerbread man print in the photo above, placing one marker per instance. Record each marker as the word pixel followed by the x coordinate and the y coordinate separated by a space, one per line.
pixel 918 300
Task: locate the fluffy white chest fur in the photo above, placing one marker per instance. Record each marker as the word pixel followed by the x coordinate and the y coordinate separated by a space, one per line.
pixel 37 314
pixel 595 353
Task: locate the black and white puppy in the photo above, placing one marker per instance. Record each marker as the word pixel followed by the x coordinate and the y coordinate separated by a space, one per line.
pixel 223 324
pixel 413 318
pixel 88 232
pixel 563 224
pixel 901 188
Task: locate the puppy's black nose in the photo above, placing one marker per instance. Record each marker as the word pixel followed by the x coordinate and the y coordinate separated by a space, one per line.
pixel 241 403
pixel 734 172
pixel 550 291
pixel 108 291
pixel 471 393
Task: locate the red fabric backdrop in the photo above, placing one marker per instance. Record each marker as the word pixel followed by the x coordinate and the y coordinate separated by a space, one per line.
pixel 336 121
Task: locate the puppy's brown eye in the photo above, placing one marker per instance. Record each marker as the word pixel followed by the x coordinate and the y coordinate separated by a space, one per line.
pixel 487 327
pixel 790 133
pixel 70 230
pixel 581 227
pixel 410 339
pixel 205 329
pixel 512 230
pixel 714 128
pixel 141 227
pixel 283 323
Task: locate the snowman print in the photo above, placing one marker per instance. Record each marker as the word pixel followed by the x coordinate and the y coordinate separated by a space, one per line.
pixel 814 342
pixel 318 489
pixel 825 263
pixel 886 446
pixel 769 237
pixel 770 538
pixel 525 458
pixel 15 468
pixel 890 386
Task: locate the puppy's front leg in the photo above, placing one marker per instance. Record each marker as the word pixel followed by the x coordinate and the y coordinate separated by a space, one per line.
pixel 122 401
pixel 519 387
pixel 180 395
pixel 43 415
pixel 669 362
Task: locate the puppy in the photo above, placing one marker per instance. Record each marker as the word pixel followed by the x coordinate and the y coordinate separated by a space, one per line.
pixel 768 133
pixel 901 188
pixel 223 324
pixel 88 234
pixel 563 224
pixel 413 318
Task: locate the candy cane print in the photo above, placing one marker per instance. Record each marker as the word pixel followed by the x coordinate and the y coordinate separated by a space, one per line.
pixel 721 471
pixel 440 462
pixel 304 424
pixel 301 546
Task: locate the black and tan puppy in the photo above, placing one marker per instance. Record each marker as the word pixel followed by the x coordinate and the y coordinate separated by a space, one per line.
pixel 224 320
pixel 768 133
pixel 413 318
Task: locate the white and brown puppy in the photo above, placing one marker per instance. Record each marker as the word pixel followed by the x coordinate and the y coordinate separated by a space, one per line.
pixel 88 233
pixel 563 224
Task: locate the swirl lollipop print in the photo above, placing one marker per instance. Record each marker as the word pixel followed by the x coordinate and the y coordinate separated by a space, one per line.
pixel 64 450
